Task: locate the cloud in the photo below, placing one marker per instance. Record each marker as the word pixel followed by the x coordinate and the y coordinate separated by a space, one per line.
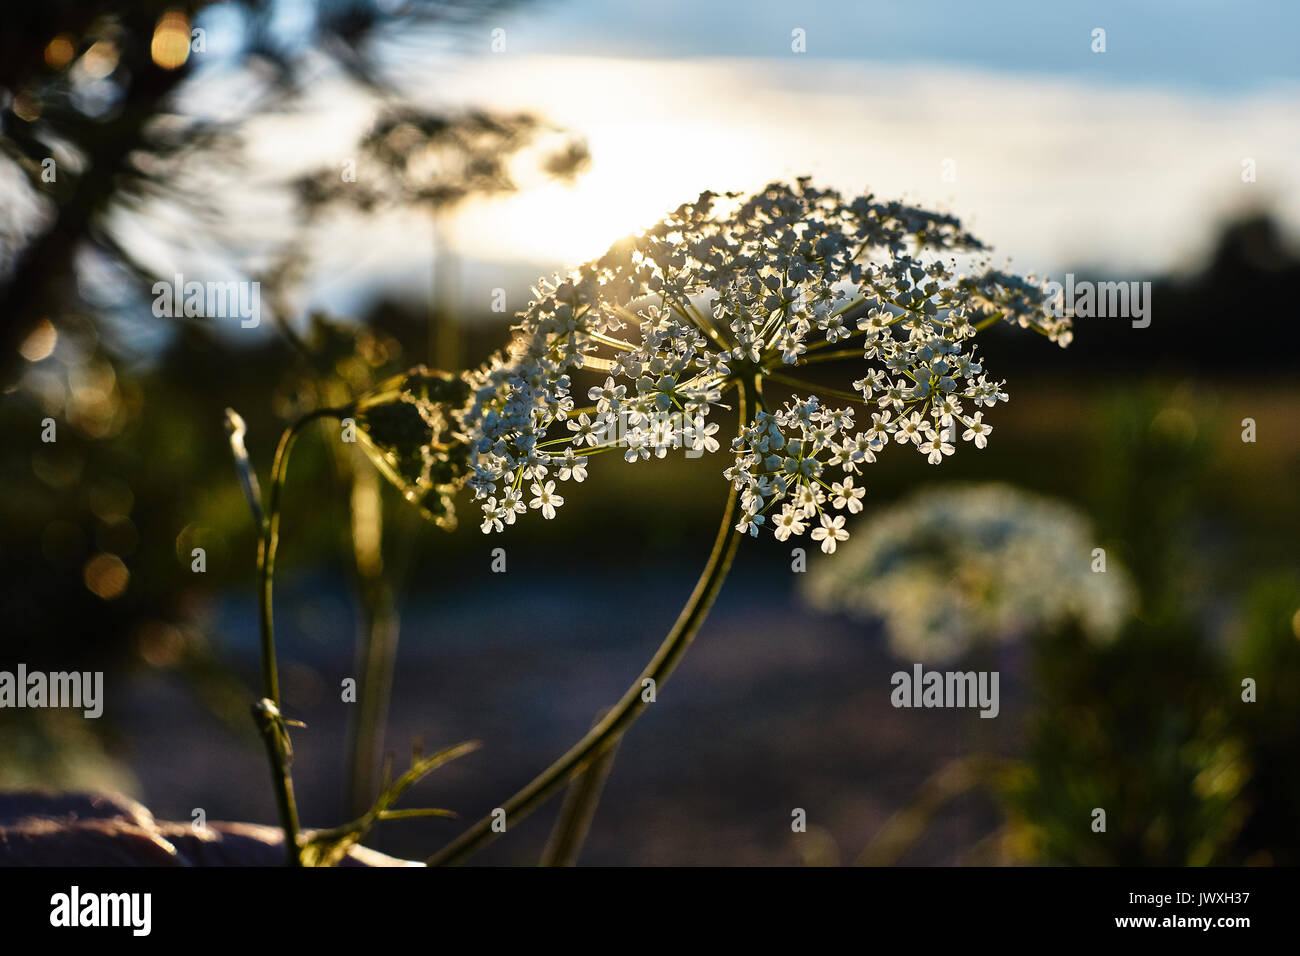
pixel 1056 172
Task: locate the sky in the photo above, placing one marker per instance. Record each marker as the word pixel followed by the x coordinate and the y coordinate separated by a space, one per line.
pixel 1221 45
pixel 1062 149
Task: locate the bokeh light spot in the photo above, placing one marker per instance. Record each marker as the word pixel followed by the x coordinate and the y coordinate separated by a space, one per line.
pixel 59 52
pixel 106 576
pixel 171 40
pixel 40 343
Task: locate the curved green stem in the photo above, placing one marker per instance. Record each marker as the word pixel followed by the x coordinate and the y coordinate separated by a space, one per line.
pixel 267 712
pixel 270 542
pixel 275 735
pixel 608 731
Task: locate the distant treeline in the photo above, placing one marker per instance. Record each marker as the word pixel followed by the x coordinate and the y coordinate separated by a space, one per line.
pixel 1236 315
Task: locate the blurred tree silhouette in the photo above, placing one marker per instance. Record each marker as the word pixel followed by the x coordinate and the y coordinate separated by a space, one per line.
pixel 94 86
pixel 112 135
pixel 1251 271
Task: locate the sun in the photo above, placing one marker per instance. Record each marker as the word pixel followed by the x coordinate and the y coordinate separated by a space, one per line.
pixel 629 187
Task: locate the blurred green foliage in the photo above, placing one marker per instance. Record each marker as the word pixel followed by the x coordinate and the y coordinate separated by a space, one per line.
pixel 1153 728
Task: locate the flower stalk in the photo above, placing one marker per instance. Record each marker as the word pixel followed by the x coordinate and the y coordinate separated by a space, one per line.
pixel 267 712
pixel 609 730
pixel 578 809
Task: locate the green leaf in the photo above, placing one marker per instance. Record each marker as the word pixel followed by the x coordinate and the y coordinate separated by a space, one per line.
pixel 329 847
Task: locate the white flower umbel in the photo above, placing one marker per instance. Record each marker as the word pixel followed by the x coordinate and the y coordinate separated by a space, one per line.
pixel 730 291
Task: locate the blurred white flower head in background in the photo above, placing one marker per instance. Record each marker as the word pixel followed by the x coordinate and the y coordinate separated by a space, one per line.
pixel 966 565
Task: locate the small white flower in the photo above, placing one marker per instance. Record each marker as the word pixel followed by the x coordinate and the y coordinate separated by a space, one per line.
pixel 573 467
pixel 791 348
pixel 638 440
pixel 663 436
pixel 835 328
pixel 702 438
pixel 749 523
pixel 607 397
pixel 807 498
pixel 912 428
pixel 790 522
pixel 935 448
pixel 947 408
pixel 513 504
pixel 491 517
pixel 546 499
pixel 830 533
pixel 846 496
pixel 586 431
pixel 977 430
pixel 881 426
